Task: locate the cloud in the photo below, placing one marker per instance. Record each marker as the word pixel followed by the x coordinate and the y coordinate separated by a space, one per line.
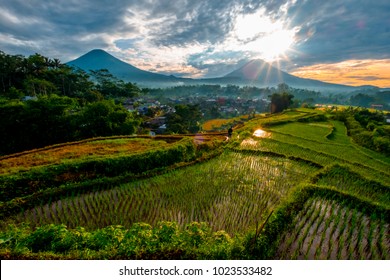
pixel 216 64
pixel 199 37
pixel 349 72
pixel 184 35
pixel 332 31
pixel 125 44
pixel 58 28
pixel 367 78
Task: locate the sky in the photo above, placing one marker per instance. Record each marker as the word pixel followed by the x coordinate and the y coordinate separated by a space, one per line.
pixel 345 42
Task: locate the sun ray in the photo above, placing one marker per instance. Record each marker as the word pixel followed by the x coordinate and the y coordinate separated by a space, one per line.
pixel 257 33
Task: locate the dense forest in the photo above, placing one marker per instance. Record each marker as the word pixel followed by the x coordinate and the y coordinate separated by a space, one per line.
pixel 43 102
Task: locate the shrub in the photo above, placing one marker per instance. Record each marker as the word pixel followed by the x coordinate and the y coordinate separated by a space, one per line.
pixel 50 237
pixel 196 233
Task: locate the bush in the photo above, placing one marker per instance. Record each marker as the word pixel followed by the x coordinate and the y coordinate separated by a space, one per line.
pixel 51 237
pixel 376 136
pixel 382 144
pixel 140 241
pixel 106 238
pixel 371 126
pixel 313 118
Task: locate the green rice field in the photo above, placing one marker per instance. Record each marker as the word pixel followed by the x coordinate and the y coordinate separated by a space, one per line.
pixel 286 186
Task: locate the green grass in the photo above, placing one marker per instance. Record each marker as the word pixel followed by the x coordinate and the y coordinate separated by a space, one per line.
pixel 343 179
pixel 295 230
pixel 304 191
pixel 361 238
pixel 323 144
pixel 311 131
pixel 232 192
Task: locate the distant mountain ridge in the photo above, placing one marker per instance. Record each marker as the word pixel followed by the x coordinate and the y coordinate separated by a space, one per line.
pixel 262 73
pixel 254 73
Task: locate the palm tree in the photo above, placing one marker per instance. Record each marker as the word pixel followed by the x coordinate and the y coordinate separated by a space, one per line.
pixel 56 63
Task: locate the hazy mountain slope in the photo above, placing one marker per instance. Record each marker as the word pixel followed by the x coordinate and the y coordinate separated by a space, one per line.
pixel 99 59
pixel 255 73
pixel 262 73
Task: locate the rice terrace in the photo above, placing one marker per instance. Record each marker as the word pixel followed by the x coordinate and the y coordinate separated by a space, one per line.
pixel 292 185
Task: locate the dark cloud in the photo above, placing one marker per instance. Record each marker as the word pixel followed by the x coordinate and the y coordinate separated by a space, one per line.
pixel 193 21
pixel 70 16
pixel 62 29
pixel 198 21
pixel 125 44
pixel 337 30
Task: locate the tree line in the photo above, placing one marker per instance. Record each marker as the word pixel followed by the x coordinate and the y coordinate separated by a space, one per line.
pixel 44 102
pixel 38 75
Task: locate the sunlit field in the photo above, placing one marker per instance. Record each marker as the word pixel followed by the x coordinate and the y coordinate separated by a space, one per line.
pixel 215 124
pixel 320 143
pixel 73 151
pixel 287 186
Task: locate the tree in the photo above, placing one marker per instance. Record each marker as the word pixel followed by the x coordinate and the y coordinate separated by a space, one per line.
pixel 56 119
pixel 67 106
pixel 283 87
pixel 362 100
pixel 109 85
pixel 104 118
pixel 280 101
pixel 186 119
pixel 11 71
pixel 36 64
pixel 36 86
pixel 35 123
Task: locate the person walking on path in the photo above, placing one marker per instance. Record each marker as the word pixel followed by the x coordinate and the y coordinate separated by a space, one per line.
pixel 230 132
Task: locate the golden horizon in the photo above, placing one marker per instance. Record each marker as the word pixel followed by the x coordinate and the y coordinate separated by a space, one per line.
pixel 350 72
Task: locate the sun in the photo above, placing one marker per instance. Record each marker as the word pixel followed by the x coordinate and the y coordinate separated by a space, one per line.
pixel 268 39
pixel 275 45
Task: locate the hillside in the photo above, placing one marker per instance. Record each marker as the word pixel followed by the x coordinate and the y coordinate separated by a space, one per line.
pixel 285 186
pixel 98 59
pixel 262 73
